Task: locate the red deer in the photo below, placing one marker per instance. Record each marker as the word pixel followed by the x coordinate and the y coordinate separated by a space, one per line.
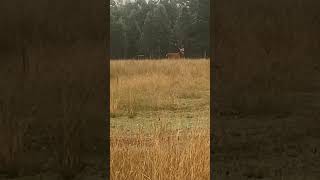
pixel 177 55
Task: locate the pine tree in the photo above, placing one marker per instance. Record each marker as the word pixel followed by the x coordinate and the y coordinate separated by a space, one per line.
pixel 157 27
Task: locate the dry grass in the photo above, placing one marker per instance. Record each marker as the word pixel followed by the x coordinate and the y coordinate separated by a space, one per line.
pixel 155 85
pixel 159 96
pixel 161 155
pixel 12 130
pixel 51 114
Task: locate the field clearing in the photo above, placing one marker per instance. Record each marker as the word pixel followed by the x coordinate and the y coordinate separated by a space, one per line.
pixel 160 119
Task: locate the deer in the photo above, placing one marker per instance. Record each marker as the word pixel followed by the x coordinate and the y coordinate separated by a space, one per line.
pixel 177 55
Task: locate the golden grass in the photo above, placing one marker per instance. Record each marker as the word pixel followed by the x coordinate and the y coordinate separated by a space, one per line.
pixel 159 151
pixel 141 85
pixel 160 155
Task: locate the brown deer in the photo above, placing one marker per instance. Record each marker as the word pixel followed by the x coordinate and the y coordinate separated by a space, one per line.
pixel 177 55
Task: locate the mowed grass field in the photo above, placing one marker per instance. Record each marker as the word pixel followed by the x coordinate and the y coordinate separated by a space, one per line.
pixel 160 119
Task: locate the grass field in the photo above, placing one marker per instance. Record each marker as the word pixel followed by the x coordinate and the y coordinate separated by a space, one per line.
pixel 52 113
pixel 160 119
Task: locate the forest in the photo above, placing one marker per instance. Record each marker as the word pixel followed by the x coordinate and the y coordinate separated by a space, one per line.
pixel 156 27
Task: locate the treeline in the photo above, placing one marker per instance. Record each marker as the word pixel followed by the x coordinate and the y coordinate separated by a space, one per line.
pixel 155 27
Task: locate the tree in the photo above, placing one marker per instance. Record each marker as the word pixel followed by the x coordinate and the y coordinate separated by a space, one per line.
pixel 156 32
pixel 156 27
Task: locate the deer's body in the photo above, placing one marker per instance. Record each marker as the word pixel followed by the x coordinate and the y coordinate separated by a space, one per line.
pixel 177 55
pixel 173 56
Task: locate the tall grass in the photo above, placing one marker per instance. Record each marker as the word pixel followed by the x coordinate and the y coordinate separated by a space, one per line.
pixel 159 151
pixel 162 154
pixel 53 108
pixel 43 52
pixel 156 85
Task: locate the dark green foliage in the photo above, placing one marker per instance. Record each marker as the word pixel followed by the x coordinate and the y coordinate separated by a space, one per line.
pixel 155 28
